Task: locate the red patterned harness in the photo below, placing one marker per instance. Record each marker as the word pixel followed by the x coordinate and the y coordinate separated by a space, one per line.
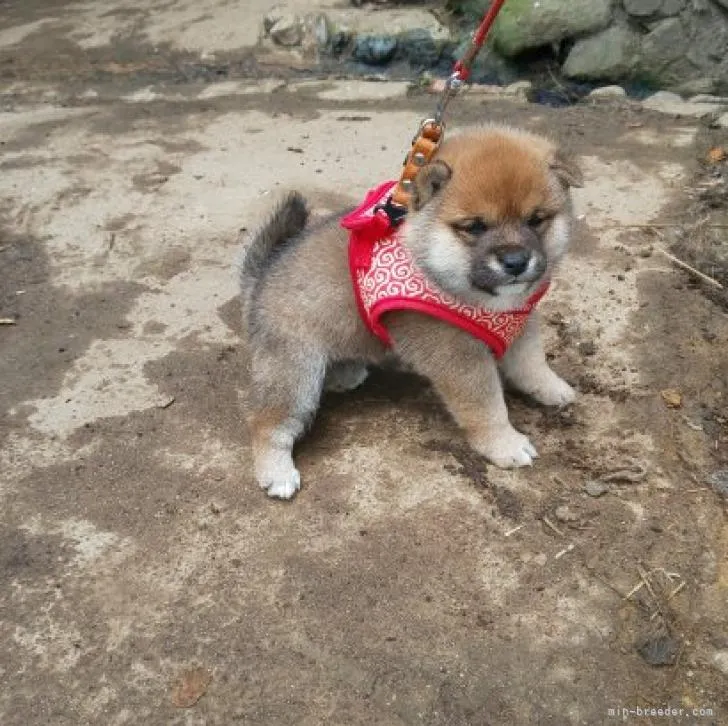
pixel 386 278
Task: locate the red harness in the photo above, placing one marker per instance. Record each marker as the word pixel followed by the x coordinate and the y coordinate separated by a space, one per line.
pixel 386 278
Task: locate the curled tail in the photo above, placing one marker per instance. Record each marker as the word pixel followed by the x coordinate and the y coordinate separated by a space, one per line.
pixel 287 220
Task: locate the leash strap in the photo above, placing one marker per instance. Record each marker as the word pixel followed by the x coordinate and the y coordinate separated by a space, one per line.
pixel 431 131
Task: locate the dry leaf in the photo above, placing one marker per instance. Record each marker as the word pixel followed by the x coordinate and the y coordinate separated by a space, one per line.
pixel 672 397
pixel 716 155
pixel 190 687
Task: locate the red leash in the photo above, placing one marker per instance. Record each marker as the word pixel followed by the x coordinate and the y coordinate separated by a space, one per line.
pixel 462 67
pixel 431 130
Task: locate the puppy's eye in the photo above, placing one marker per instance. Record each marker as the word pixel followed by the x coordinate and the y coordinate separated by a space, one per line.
pixel 474 227
pixel 537 219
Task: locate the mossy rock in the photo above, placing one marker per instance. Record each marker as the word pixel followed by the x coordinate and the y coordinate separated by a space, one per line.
pixel 524 24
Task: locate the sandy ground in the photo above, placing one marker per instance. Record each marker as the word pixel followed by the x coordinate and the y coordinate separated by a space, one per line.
pixel 409 582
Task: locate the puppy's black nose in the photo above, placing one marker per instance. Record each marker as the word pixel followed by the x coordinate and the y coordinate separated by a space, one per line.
pixel 514 260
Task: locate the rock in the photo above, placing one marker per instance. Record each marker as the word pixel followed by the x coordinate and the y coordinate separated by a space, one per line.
pixel 375 50
pixel 287 31
pixel 708 98
pixel 703 84
pixel 320 30
pixel 663 97
pixel 609 54
pixel 666 42
pixel 595 488
pixel 658 650
pixel 489 67
pixel 671 103
pixel 672 398
pixel 272 17
pixel 719 481
pixel 720 659
pixel 722 121
pixel 672 7
pixel 654 8
pixel 564 514
pixel 608 92
pixel 525 24
pixel 642 8
pixel 588 347
pixel 419 47
pixel 519 89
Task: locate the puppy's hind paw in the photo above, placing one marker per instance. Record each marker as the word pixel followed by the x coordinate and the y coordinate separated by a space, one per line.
pixel 280 481
pixel 508 449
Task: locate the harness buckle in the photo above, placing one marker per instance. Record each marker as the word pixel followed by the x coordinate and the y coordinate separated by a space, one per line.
pixel 395 212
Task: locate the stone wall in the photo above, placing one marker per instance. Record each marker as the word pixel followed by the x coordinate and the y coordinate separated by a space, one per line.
pixel 675 44
pixel 679 45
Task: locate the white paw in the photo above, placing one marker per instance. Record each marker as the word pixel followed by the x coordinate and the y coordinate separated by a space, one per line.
pixel 557 392
pixel 279 478
pixel 509 449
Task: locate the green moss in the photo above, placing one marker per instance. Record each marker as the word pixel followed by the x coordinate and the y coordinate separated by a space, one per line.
pixel 508 31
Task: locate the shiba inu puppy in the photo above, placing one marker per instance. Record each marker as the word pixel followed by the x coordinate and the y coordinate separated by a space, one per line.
pixel 489 219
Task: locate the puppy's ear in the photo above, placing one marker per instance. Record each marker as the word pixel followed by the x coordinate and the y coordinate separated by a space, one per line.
pixel 566 169
pixel 429 181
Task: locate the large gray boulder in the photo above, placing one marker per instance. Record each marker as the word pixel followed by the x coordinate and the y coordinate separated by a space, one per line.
pixel 610 54
pixel 644 9
pixel 526 24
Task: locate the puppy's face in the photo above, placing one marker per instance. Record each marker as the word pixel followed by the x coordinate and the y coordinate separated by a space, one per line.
pixel 490 216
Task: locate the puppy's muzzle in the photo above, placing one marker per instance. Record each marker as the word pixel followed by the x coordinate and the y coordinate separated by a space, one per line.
pixel 507 265
pixel 513 260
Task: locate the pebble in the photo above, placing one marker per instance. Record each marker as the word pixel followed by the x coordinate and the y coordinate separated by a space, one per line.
pixel 658 650
pixel 564 514
pixel 608 92
pixel 595 488
pixel 588 347
pixel 719 481
pixel 722 121
pixel 287 31
pixel 721 661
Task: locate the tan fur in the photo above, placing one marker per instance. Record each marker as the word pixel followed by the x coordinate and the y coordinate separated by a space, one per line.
pixel 304 329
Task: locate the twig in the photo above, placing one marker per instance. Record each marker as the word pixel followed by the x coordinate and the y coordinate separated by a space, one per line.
pixel 514 530
pixel 689 268
pixel 608 584
pixel 675 591
pixel 634 473
pixel 566 549
pixel 646 579
pixel 551 525
pixel 637 587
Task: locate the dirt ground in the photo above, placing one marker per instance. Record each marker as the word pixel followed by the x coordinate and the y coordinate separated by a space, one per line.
pixel 146 580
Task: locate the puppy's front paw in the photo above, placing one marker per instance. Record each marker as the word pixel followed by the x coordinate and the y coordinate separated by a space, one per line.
pixel 280 479
pixel 508 449
pixel 555 392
